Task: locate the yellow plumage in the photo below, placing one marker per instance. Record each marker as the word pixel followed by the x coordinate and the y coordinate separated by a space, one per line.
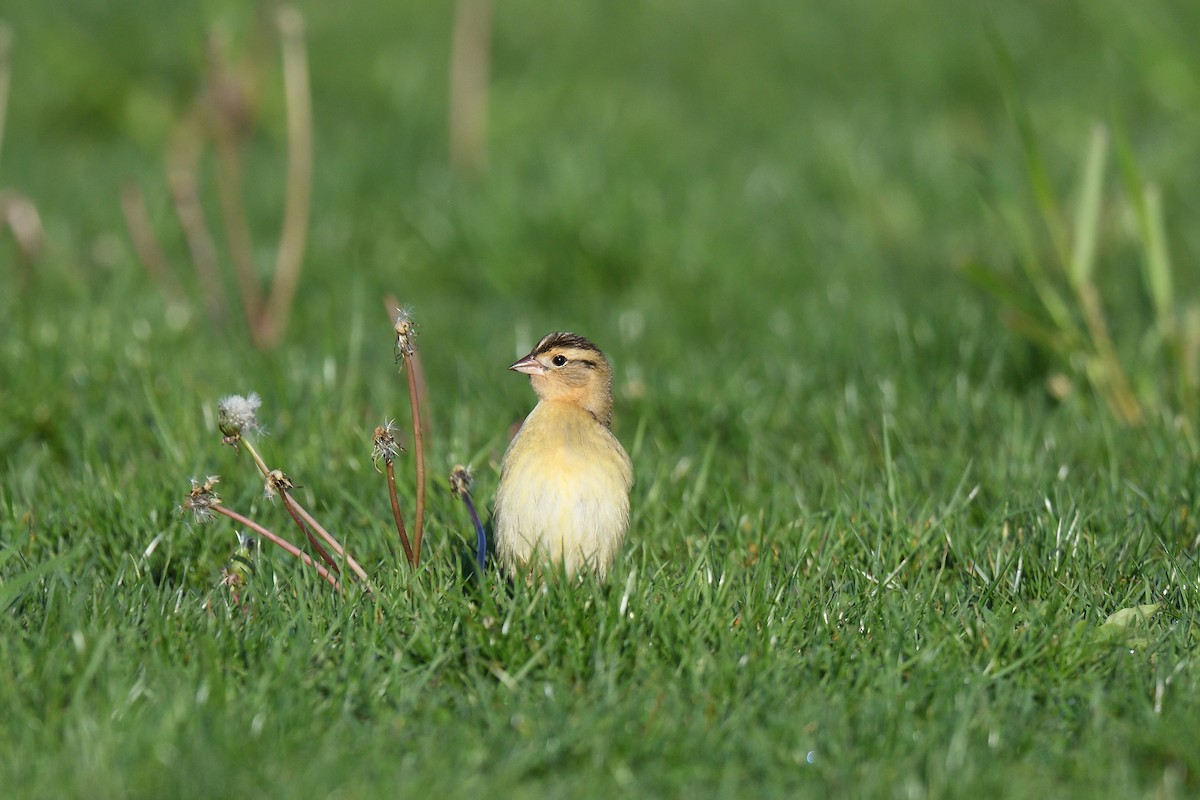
pixel 564 486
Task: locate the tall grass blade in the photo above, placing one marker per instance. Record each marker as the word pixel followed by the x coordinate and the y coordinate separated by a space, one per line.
pixel 1035 166
pixel 1052 300
pixel 1158 260
pixel 1087 213
pixel 1147 209
pixel 14 588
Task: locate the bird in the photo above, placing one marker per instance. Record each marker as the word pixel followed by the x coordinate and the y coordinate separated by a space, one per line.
pixel 563 495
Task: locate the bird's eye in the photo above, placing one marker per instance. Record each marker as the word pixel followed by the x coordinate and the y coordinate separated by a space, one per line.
pixel 559 360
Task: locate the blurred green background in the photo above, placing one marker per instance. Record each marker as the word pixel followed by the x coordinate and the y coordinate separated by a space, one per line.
pixel 761 211
pixel 769 195
pixel 752 161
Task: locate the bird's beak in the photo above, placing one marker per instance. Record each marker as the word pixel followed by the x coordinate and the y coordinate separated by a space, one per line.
pixel 529 365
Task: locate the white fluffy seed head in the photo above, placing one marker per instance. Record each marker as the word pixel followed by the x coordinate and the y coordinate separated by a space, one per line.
pixel 237 415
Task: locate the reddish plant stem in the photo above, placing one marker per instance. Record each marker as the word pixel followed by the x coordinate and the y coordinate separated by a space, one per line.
pixel 312 539
pixel 284 543
pixel 419 447
pixel 391 482
pixel 328 537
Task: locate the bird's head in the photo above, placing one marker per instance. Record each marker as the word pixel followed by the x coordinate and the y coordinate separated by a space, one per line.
pixel 566 367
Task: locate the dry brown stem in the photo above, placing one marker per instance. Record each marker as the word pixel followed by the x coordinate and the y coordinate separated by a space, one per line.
pixel 391 482
pixel 280 541
pixel 183 165
pixel 294 236
pixel 225 110
pixel 145 243
pixel 470 65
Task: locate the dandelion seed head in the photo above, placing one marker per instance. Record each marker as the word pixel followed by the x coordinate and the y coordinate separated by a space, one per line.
pixel 237 415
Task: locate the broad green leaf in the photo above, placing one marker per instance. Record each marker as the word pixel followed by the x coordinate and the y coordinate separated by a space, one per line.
pixel 1132 616
pixel 1127 626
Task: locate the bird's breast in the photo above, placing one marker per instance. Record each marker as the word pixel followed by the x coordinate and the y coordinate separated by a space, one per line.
pixel 564 491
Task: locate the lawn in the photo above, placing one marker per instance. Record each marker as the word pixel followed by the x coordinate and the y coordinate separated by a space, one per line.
pixel 876 530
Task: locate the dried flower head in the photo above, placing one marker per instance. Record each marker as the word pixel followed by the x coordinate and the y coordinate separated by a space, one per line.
pixel 237 415
pixel 201 499
pixel 384 445
pixel 276 483
pixel 406 331
pixel 460 484
pixel 460 480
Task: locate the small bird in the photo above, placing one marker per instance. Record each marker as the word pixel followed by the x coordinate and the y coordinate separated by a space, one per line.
pixel 564 486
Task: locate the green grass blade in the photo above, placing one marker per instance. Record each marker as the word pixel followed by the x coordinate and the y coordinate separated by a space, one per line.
pixel 1035 165
pixel 1052 300
pixel 1158 260
pixel 1001 288
pixel 11 590
pixel 1087 213
pixel 1037 331
pixel 1147 208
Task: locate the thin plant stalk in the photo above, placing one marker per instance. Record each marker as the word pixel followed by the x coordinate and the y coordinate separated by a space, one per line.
pixel 233 217
pixel 1113 380
pixel 405 330
pixel 281 542
pixel 1189 358
pixel 1080 266
pixel 419 448
pixel 145 243
pixel 258 460
pixel 470 65
pixel 480 536
pixel 294 235
pixel 21 216
pixel 385 447
pixel 460 484
pixel 1146 201
pixel 5 76
pixel 297 509
pixel 1035 166
pixel 182 169
pixel 324 534
pixel 229 182
pixel 1158 260
pixel 1103 367
pixel 391 482
pixel 312 538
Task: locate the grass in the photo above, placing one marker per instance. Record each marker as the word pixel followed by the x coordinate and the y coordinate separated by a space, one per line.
pixel 870 555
